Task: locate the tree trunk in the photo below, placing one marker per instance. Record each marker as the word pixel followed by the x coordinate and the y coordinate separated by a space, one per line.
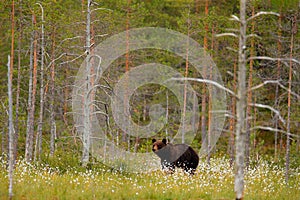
pixel 232 119
pixel 127 61
pixel 31 97
pixel 18 81
pixel 185 82
pixel 277 87
pixel 10 125
pixel 66 95
pixel 204 96
pixel 38 147
pixel 10 103
pixel 209 129
pixel 52 93
pixel 3 141
pixel 288 138
pixel 298 139
pixel 249 97
pixel 87 114
pixel 241 106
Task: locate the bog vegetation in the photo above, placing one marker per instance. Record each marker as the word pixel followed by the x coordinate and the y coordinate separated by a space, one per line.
pixel 48 155
pixel 57 180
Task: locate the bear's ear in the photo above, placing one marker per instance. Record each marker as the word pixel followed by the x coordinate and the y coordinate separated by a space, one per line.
pixel 164 141
pixel 153 140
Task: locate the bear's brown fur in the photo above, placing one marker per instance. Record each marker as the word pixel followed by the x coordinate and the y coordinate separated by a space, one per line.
pixel 175 155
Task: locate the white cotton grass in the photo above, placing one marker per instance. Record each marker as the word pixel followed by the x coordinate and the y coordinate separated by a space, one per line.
pixel 264 180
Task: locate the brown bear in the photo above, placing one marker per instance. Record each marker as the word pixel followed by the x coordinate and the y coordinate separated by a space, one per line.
pixel 175 155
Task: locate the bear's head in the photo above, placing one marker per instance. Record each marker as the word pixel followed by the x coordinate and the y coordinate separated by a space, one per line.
pixel 158 144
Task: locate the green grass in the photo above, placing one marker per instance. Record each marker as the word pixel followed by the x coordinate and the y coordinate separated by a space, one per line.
pixel 265 180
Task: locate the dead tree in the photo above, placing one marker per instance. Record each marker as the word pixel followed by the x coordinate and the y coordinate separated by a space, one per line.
pixel 10 112
pixel 86 98
pixel 31 95
pixel 38 142
pixel 241 105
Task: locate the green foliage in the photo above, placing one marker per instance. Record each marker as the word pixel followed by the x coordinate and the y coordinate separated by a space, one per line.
pixel 65 34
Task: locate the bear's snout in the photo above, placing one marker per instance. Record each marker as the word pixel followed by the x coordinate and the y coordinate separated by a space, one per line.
pixel 154 148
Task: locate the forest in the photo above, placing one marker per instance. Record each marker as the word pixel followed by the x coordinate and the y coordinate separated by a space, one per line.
pixel 87 84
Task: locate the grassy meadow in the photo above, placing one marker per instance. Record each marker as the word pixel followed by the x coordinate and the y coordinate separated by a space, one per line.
pixel 264 180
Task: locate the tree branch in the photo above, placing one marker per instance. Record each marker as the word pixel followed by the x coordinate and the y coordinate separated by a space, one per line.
pixel 227 34
pixel 68 61
pixel 52 61
pixel 276 82
pixel 262 13
pixel 273 59
pixel 235 18
pixel 254 35
pixel 274 129
pixel 270 108
pixel 206 81
pixel 72 38
pixel 96 9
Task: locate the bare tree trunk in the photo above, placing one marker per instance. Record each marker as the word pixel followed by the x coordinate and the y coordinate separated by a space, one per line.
pixel 38 142
pixel 288 138
pixel 249 97
pixel 197 6
pixel 204 96
pixel 29 94
pixel 195 110
pixel 185 82
pixel 87 114
pixel 232 119
pixel 209 132
pixel 18 81
pixel 11 137
pixel 3 141
pixel 52 93
pixel 127 61
pixel 66 95
pixel 82 6
pixel 136 144
pixel 31 97
pixel 203 116
pixel 277 87
pixel 241 106
pixel 10 122
pixel 298 139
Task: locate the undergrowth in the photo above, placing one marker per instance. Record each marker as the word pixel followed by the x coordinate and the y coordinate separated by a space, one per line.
pixel 263 180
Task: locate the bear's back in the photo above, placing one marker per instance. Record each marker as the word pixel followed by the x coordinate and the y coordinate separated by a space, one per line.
pixel 181 151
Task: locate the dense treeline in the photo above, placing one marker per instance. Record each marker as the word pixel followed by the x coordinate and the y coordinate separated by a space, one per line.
pixel 275 39
pixel 54 89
